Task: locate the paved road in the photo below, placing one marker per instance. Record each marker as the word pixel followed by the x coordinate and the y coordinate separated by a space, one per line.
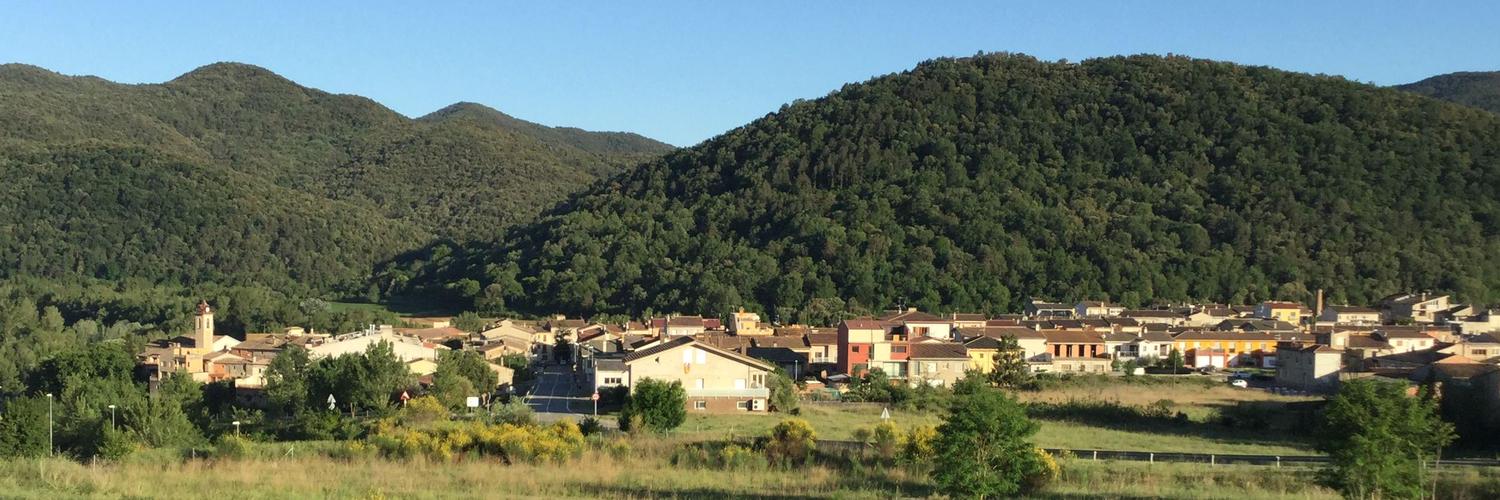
pixel 556 394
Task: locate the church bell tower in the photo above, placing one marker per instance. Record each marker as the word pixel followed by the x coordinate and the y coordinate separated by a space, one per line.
pixel 203 328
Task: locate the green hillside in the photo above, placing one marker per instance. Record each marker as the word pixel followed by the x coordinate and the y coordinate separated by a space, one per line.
pixel 1480 89
pixel 233 173
pixel 976 183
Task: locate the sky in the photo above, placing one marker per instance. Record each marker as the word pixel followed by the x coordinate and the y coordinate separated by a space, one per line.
pixel 682 72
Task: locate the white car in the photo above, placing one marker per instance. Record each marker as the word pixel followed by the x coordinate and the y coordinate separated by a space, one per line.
pixel 1240 383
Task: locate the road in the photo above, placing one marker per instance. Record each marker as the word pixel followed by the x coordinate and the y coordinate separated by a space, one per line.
pixel 556 395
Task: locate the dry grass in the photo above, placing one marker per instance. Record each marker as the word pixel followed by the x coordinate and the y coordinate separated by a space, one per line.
pixel 644 471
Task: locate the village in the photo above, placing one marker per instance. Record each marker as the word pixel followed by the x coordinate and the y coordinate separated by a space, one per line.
pixel 724 363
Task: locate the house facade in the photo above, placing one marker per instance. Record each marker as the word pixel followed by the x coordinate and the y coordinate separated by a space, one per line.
pixel 1308 367
pixel 716 380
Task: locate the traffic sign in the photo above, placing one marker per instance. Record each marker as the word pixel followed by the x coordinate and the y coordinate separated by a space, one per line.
pixel 331 401
pixel 595 397
pixel 885 414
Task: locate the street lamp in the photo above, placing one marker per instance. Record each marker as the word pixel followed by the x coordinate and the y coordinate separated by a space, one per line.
pixel 112 416
pixel 50 444
pixel 236 428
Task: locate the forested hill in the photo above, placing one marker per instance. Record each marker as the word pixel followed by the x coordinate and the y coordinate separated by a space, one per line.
pixel 976 183
pixel 594 142
pixel 1478 89
pixel 233 173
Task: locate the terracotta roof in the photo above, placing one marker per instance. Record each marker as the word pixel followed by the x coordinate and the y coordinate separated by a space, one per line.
pixel 1353 310
pixel 1403 333
pixel 430 334
pixel 1070 337
pixel 566 323
pixel 773 341
pixel 1151 313
pixel 1367 342
pixel 685 321
pixel 938 350
pixel 1293 346
pixel 864 324
pixel 983 343
pixel 682 341
pixel 1000 331
pixel 1224 335
pixel 822 339
pixel 911 317
pixel 778 355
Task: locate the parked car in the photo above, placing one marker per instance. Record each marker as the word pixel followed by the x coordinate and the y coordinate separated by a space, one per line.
pixel 1239 382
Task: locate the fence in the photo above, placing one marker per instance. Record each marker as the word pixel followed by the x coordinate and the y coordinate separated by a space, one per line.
pixel 847 447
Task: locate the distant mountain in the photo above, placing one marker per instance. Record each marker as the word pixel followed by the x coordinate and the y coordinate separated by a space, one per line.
pixel 300 165
pixel 593 142
pixel 973 184
pixel 1477 89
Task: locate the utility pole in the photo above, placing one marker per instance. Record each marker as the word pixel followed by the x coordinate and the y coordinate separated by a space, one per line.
pixel 51 447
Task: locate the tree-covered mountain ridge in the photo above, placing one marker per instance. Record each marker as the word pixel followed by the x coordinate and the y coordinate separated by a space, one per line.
pixel 976 183
pixel 1480 89
pixel 285 183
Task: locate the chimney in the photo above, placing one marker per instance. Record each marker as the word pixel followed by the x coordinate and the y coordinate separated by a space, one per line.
pixel 1319 310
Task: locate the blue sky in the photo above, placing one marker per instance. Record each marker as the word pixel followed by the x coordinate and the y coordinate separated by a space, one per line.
pixel 685 71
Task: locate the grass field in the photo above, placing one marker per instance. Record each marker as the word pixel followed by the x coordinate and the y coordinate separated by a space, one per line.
pixel 641 470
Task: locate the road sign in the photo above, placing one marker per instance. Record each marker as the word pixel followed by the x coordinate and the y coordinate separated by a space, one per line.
pixel 885 414
pixel 331 401
pixel 405 396
pixel 472 402
pixel 595 397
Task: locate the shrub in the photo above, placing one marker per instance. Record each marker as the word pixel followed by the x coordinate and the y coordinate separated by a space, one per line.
pixel 423 410
pixel 661 406
pixel 115 444
pixel 513 412
pixel 590 426
pixel 1046 472
pixel 738 457
pixel 863 434
pixel 231 446
pixel 920 442
pixel 887 440
pixel 792 442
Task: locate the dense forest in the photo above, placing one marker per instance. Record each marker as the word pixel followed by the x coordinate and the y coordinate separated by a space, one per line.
pixel 1480 89
pixel 231 174
pixel 977 183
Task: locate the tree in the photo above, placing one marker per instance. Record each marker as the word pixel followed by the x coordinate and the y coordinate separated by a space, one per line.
pixel 1011 369
pixel 23 427
pixel 1377 438
pixel 1174 361
pixel 660 406
pixel 783 391
pixel 982 448
pixel 286 381
pixel 469 322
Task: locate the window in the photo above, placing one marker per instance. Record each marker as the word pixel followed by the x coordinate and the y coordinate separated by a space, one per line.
pixel 611 380
pixel 853 348
pixel 742 405
pixel 1481 352
pixel 700 405
pixel 739 383
pixel 758 380
pixel 898 349
pixel 698 383
pixel 702 357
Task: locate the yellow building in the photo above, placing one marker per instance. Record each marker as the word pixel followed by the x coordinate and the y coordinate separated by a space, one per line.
pixel 1205 348
pixel 1290 312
